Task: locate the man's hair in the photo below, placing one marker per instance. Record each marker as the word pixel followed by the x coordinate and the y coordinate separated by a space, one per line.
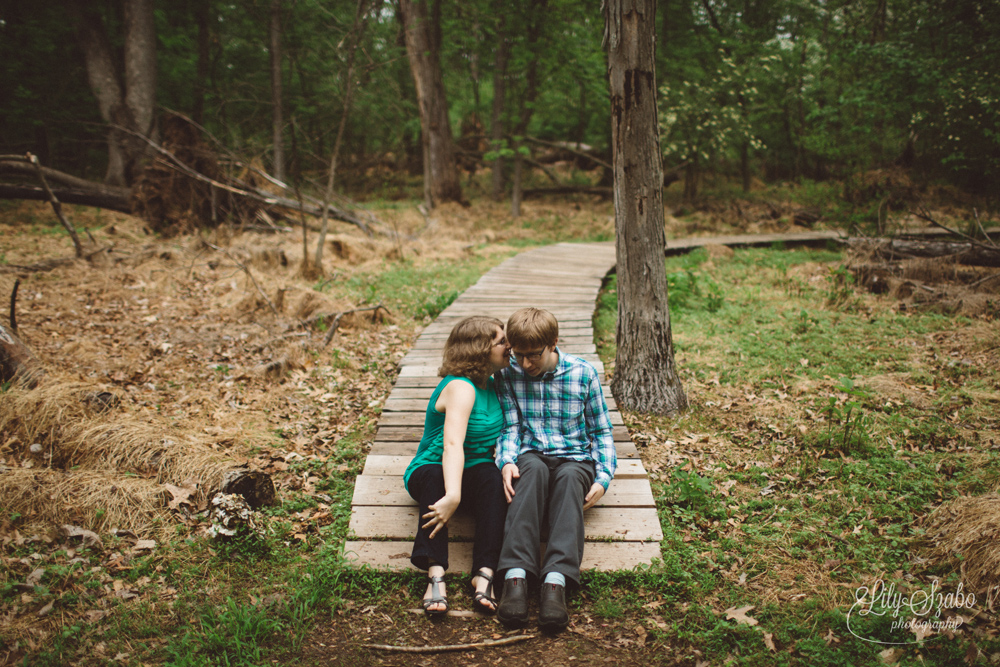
pixel 530 328
pixel 467 352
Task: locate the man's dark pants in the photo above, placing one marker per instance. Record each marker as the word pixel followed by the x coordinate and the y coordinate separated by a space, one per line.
pixel 558 485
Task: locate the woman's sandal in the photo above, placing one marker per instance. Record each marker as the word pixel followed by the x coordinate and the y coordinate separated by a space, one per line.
pixel 480 598
pixel 435 598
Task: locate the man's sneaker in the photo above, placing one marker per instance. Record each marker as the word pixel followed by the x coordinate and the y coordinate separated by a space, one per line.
pixel 513 610
pixel 553 614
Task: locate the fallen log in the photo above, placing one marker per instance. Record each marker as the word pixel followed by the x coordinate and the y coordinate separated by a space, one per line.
pixel 964 252
pixel 569 190
pixel 108 200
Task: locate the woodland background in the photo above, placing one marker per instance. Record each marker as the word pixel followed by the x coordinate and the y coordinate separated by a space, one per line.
pixel 757 89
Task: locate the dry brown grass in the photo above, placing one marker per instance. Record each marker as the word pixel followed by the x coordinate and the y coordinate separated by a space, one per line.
pixel 93 499
pixel 72 430
pixel 964 535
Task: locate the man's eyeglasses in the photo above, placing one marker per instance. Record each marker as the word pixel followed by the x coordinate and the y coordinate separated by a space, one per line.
pixel 530 356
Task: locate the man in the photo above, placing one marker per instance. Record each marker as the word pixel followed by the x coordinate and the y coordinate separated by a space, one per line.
pixel 557 457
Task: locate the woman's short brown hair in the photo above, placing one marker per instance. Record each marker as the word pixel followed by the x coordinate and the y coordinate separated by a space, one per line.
pixel 467 352
pixel 529 328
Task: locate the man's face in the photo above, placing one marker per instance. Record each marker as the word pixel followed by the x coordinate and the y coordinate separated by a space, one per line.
pixel 538 361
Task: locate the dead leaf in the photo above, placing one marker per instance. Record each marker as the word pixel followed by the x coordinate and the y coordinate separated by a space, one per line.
pixel 181 496
pixel 35 577
pixel 769 641
pixel 47 609
pixel 89 537
pixel 920 628
pixel 740 615
pixel 144 545
pixel 831 638
pixel 890 656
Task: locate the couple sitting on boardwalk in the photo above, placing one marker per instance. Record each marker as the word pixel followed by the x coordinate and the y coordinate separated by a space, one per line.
pixel 516 438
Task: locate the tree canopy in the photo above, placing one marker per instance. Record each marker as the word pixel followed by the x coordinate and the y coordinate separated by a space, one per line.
pixel 767 89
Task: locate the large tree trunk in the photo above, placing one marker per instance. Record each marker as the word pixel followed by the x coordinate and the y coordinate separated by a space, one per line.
pixel 440 170
pixel 278 125
pixel 125 91
pixel 645 376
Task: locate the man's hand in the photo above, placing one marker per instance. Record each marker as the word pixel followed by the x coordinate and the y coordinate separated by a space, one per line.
pixel 440 513
pixel 596 493
pixel 509 473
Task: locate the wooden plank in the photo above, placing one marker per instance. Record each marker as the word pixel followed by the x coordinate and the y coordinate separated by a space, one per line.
pixel 388 490
pixel 607 523
pixel 380 464
pixel 395 555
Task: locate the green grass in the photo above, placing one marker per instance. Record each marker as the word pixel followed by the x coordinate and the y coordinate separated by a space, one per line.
pixel 839 475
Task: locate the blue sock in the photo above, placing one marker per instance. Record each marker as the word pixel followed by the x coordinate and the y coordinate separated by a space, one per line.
pixel 555 578
pixel 515 573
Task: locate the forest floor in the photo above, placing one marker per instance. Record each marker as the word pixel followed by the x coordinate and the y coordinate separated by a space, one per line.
pixel 807 392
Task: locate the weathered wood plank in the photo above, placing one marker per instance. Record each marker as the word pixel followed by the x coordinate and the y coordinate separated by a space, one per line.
pixel 630 524
pixel 388 490
pixel 395 555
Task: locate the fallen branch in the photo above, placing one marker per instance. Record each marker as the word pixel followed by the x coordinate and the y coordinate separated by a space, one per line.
pixel 53 199
pixel 38 267
pixel 923 215
pixel 113 201
pixel 450 647
pixel 336 320
pixel 13 306
pixel 172 161
pixel 973 254
pixel 565 147
pixel 569 189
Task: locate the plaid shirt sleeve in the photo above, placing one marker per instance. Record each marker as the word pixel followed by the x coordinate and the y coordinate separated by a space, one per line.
pixel 509 442
pixel 600 432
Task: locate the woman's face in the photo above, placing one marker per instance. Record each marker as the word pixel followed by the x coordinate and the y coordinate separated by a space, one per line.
pixel 499 351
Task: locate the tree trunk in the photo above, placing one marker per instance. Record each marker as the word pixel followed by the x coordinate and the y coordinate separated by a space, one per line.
pixel 499 94
pixel 126 91
pixel 202 15
pixel 440 170
pixel 645 376
pixel 357 30
pixel 278 124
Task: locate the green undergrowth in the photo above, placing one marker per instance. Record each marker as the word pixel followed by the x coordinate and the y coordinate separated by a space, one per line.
pixel 796 477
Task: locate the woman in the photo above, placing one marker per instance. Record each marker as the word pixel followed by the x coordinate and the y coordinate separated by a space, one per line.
pixel 454 462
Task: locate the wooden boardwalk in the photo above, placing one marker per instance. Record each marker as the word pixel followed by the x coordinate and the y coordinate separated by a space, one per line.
pixel 622 530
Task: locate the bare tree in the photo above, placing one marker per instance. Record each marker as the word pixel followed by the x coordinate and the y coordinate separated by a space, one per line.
pixel 645 376
pixel 125 87
pixel 423 41
pixel 353 39
pixel 278 121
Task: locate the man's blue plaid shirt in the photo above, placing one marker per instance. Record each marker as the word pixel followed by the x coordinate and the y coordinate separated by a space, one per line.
pixel 561 413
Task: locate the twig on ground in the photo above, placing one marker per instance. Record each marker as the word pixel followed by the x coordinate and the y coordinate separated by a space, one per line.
pixel 987 279
pixel 336 320
pixel 975 213
pixel 56 204
pixel 450 647
pixel 13 306
pixel 922 214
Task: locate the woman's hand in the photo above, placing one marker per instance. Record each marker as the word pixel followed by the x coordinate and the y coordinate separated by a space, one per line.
pixel 440 514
